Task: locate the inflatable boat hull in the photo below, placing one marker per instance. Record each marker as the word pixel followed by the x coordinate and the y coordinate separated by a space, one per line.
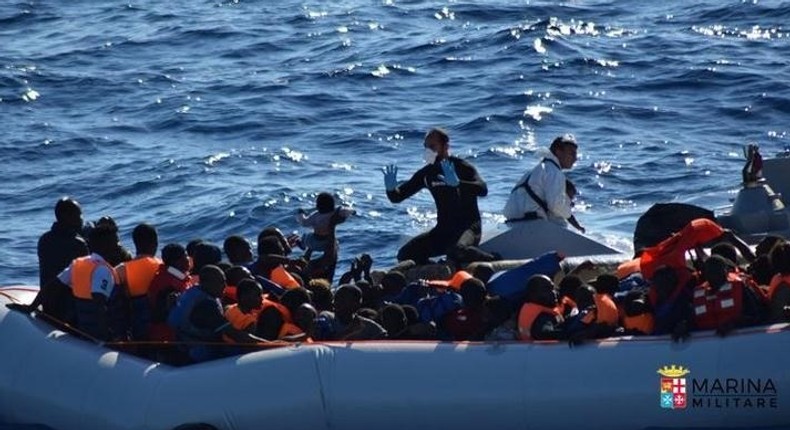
pixel 55 379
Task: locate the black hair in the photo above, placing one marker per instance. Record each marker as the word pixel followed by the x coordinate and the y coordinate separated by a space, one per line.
pixel 145 238
pixel 444 138
pixel 412 314
pixel 205 254
pixel 607 284
pixel 473 291
pixel 236 274
pixel 325 203
pixel 393 283
pixel 568 285
pixel 270 245
pixel 393 319
pixel 247 286
pixel 762 270
pixel 235 247
pixel 172 253
pixel 352 291
pixel 294 298
pixel 726 250
pixel 780 258
pixel 483 272
pixel 102 239
pixel 191 246
pixel 322 294
pixel 562 141
pixel 67 208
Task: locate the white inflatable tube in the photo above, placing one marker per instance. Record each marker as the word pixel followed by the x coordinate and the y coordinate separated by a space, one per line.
pixel 54 379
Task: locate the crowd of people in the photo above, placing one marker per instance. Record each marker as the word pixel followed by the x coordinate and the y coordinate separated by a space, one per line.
pixel 212 301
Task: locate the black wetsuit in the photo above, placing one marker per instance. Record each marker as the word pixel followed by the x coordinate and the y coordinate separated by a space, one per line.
pixel 457 230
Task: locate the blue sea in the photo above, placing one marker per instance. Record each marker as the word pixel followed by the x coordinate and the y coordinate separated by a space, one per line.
pixel 209 118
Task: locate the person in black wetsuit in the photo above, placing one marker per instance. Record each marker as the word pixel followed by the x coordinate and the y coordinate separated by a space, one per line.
pixel 455 186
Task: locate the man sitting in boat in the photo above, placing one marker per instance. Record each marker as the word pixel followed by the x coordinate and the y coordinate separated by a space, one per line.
pixel 57 248
pixel 779 288
pixel 539 318
pixel 271 263
pixel 345 323
pixel 92 281
pixel 455 185
pixel 542 193
pixel 171 280
pixel 277 320
pixel 238 250
pixel 725 300
pixel 198 317
pixel 243 315
pixel 671 302
pixel 134 278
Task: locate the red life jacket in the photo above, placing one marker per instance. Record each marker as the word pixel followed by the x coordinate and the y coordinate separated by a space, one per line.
pixel 713 309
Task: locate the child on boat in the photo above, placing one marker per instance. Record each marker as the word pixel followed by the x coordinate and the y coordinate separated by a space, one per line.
pixel 323 221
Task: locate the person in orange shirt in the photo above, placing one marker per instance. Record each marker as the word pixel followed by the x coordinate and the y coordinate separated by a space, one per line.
pixel 134 278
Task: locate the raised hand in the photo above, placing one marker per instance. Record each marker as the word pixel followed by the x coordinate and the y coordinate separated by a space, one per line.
pixel 448 173
pixel 390 177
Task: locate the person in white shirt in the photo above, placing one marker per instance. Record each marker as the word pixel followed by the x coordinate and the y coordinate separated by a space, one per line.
pixel 541 193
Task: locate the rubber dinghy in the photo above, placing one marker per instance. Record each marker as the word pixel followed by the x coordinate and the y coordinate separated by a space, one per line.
pixel 55 379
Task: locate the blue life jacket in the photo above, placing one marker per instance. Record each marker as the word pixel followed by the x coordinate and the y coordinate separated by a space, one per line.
pixel 410 295
pixel 179 318
pixel 511 285
pixel 435 307
pixel 634 280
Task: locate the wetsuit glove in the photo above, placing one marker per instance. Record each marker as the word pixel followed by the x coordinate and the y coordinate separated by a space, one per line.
pixel 448 174
pixel 390 177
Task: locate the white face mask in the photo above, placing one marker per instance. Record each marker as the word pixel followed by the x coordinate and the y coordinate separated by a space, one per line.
pixel 429 156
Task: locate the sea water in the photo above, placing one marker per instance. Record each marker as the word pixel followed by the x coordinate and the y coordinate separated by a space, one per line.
pixel 210 118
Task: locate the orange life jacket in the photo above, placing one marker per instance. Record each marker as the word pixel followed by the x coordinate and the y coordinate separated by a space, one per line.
pixel 777 281
pixel 288 328
pixel 607 310
pixel 527 315
pixel 454 282
pixel 238 319
pixel 139 273
pixel 672 251
pixel 644 323
pixel 714 308
pixel 281 277
pixel 82 276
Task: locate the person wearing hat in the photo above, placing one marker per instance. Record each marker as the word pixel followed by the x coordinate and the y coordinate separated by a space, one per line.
pixel 541 193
